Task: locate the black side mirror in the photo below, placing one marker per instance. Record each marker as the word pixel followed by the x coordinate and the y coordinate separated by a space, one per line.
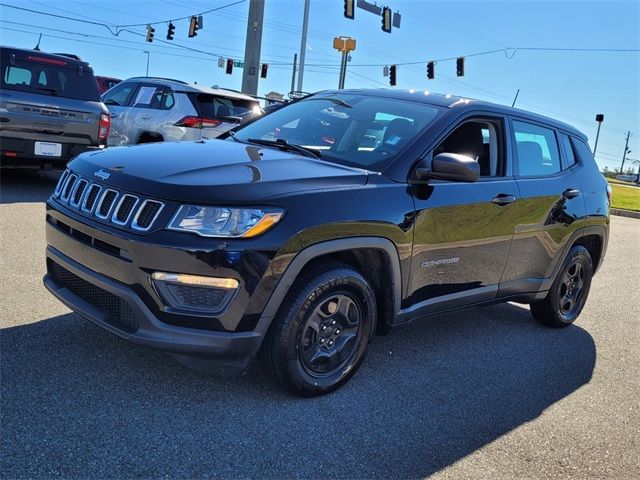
pixel 449 166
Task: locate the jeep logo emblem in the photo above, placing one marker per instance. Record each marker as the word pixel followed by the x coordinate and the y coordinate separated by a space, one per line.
pixel 101 174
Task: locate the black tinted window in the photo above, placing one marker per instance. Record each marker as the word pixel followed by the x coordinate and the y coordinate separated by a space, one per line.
pixel 45 78
pixel 568 150
pixel 537 149
pixel 582 150
pixel 210 106
pixel 120 94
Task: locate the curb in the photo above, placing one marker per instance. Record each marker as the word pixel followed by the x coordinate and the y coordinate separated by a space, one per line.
pixel 624 213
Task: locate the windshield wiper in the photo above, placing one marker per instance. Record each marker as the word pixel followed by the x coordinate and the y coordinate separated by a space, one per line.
pixel 283 144
pixel 52 91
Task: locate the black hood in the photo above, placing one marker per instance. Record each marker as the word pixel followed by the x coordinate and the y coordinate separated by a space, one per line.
pixel 212 171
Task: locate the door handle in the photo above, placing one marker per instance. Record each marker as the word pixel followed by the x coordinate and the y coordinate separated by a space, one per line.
pixel 570 193
pixel 145 117
pixel 503 199
pixel 114 115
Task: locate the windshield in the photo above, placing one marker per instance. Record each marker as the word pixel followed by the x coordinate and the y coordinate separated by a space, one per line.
pixel 356 130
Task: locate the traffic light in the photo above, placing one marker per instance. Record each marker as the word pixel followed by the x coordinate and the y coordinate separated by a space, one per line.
pixel 193 27
pixel 171 30
pixel 200 22
pixel 392 75
pixel 386 19
pixel 150 32
pixel 263 70
pixel 229 66
pixel 349 9
pixel 460 67
pixel 431 70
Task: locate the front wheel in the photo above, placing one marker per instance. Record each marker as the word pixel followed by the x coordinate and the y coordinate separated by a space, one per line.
pixel 322 331
pixel 568 294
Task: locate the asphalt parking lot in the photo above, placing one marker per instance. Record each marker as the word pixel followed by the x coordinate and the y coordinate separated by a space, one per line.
pixel 486 393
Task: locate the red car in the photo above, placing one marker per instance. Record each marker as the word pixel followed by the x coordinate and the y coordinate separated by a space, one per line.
pixel 105 83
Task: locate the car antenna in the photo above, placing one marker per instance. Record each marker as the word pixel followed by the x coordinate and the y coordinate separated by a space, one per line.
pixel 37 48
pixel 516 97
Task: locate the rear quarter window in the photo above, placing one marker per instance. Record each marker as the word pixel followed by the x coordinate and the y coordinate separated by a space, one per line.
pixel 211 106
pixel 43 78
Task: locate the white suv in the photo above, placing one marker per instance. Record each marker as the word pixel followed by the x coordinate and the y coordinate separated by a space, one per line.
pixel 146 109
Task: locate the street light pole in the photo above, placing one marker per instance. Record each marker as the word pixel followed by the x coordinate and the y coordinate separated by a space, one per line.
pixel 148 55
pixel 303 44
pixel 599 119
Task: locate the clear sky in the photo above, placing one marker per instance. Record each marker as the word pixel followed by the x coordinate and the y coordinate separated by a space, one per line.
pixel 570 86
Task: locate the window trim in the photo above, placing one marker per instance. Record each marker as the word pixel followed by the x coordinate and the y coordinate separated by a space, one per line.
pixel 514 147
pixel 497 120
pixel 122 85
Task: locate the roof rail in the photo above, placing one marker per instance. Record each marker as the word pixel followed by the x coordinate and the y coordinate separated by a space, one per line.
pixel 165 78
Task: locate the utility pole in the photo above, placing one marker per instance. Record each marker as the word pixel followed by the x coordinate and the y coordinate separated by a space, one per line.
pixel 303 43
pixel 148 55
pixel 253 45
pixel 624 155
pixel 293 74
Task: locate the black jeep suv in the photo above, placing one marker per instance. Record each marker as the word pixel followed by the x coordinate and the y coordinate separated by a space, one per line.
pixel 302 234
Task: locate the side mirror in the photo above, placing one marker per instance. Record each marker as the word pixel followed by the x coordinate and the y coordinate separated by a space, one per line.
pixel 449 166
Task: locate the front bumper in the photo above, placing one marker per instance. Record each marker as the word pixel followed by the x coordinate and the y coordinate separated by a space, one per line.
pixel 228 352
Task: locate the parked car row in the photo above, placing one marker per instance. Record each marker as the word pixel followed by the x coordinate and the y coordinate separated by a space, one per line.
pixel 51 109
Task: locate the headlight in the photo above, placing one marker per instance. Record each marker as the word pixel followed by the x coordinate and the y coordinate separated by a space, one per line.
pixel 224 221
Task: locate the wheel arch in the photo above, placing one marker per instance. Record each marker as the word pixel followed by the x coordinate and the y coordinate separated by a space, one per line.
pixel 355 252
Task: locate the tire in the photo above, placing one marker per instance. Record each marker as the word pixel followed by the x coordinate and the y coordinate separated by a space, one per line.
pixel 568 294
pixel 321 333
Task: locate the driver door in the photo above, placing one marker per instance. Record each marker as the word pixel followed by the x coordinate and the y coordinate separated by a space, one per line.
pixel 463 231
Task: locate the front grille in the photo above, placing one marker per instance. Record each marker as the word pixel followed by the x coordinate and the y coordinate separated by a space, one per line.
pixel 107 204
pixel 77 194
pixel 146 215
pixel 90 201
pixel 124 208
pixel 118 311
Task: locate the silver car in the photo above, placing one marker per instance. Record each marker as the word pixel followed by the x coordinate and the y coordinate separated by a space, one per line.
pixel 147 109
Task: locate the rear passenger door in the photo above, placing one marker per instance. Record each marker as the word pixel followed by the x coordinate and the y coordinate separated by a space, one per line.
pixel 551 205
pixel 117 101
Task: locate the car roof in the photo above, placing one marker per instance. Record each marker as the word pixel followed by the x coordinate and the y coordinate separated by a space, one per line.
pixel 192 87
pixel 69 58
pixel 453 102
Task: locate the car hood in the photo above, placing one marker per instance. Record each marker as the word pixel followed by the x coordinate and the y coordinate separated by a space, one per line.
pixel 212 171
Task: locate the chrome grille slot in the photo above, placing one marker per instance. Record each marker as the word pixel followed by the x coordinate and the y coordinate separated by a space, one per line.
pixel 90 199
pixel 146 215
pixel 60 184
pixel 123 210
pixel 78 191
pixel 68 186
pixel 106 203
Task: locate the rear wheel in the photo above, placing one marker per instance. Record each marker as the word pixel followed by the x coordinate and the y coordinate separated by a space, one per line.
pixel 568 294
pixel 322 331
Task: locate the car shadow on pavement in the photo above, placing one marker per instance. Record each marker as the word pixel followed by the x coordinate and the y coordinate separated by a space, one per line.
pixel 26 186
pixel 79 402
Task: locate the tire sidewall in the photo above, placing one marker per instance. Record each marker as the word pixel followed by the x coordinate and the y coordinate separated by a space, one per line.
pixel 581 254
pixel 317 291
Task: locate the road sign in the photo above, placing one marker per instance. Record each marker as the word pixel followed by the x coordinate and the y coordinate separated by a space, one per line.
pixel 238 64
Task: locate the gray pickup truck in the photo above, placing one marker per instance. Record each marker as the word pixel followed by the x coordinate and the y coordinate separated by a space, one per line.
pixel 50 109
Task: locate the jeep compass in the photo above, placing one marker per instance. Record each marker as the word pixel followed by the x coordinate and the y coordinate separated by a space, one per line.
pixel 297 237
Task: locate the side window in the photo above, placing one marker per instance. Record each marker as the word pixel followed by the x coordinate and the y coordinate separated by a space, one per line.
pixel 148 96
pixel 568 150
pixel 119 95
pixel 168 101
pixel 478 140
pixel 537 150
pixel 583 151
